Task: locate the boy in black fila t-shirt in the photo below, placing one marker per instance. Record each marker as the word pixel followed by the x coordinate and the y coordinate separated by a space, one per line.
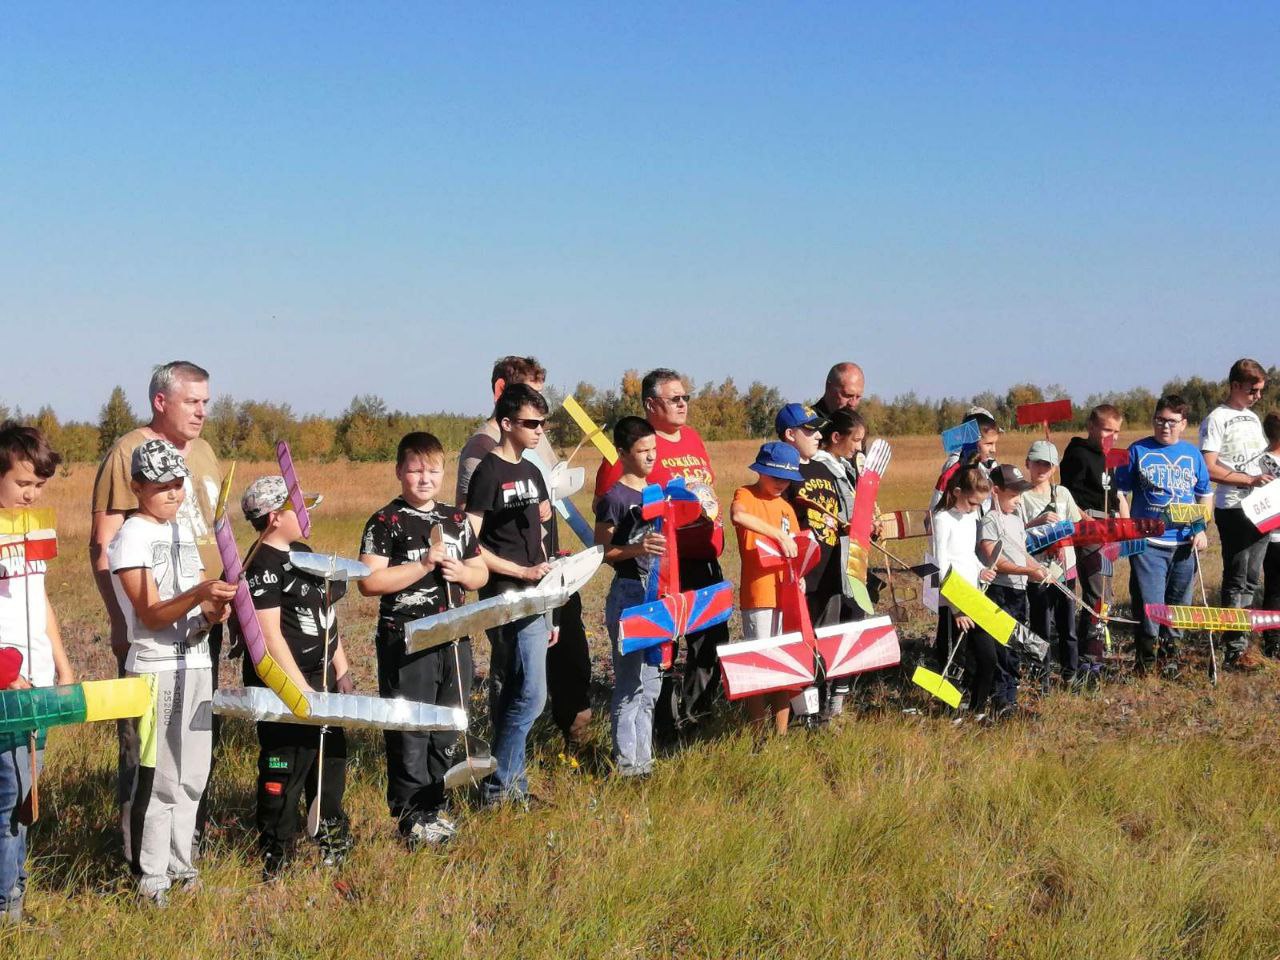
pixel 506 505
pixel 295 615
pixel 424 557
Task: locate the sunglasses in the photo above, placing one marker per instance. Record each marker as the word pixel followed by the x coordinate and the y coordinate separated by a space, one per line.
pixel 677 399
pixel 530 424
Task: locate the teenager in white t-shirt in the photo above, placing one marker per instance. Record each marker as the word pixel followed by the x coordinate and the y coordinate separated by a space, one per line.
pixel 29 628
pixel 1232 440
pixel 168 611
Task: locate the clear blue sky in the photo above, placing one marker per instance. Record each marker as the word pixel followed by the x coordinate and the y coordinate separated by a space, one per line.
pixel 318 201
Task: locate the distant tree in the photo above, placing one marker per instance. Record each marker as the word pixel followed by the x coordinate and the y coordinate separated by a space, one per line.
pixel 316 436
pixel 762 404
pixel 78 443
pixel 718 412
pixel 364 429
pixel 114 420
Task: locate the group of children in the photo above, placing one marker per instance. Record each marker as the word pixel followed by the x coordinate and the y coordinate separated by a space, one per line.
pixel 425 556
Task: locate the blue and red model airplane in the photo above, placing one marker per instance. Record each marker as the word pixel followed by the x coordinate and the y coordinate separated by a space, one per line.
pixel 669 613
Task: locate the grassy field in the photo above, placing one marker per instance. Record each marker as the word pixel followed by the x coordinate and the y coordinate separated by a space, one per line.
pixel 1136 821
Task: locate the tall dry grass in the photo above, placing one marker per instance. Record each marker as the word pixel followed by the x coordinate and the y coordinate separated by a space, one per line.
pixel 1137 821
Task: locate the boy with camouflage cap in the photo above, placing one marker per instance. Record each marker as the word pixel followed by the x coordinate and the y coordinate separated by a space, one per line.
pixel 296 614
pixel 168 611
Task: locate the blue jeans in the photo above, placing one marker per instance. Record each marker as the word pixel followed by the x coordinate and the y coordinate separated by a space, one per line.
pixel 635 686
pixel 517 694
pixel 1159 575
pixel 15 781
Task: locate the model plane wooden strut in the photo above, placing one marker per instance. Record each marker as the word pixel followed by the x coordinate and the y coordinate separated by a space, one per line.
pixel 669 613
pixel 801 656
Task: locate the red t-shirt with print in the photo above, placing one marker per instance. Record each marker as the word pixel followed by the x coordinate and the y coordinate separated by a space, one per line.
pixel 685 457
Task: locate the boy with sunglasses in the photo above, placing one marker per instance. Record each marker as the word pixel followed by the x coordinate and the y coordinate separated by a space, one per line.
pixel 1232 441
pixel 1163 469
pixel 504 504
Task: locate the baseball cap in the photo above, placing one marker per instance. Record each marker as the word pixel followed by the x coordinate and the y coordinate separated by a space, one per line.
pixel 271 493
pixel 1044 451
pixel 798 415
pixel 157 461
pixel 779 460
pixel 1008 477
pixel 976 411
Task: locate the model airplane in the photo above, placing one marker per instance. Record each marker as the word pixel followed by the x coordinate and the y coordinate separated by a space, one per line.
pixel 568 575
pixel 669 613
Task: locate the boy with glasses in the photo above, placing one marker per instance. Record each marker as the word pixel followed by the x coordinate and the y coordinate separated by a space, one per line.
pixel 1163 469
pixel 504 501
pixel 1232 441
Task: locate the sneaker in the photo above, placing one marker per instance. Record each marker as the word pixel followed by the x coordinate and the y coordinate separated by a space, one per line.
pixel 447 823
pixel 835 706
pixel 273 863
pixel 424 830
pixel 1246 662
pixel 12 914
pixel 159 899
pixel 192 884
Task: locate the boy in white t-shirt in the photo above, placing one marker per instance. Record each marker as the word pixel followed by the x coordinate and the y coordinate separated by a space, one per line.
pixel 168 611
pixel 1232 440
pixel 29 629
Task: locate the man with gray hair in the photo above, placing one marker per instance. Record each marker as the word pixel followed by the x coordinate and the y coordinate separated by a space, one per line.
pixel 179 394
pixel 843 389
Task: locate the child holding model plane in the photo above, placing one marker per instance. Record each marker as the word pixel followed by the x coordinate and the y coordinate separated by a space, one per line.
pixel 168 611
pixel 630 546
pixel 424 557
pixel 31 645
pixel 760 510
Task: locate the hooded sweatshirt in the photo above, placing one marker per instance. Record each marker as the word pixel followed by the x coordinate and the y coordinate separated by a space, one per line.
pixel 1083 464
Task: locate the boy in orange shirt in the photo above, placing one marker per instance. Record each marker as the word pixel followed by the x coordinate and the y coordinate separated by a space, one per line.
pixel 760 511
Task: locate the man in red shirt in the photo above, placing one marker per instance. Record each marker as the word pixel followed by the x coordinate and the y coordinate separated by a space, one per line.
pixel 681 453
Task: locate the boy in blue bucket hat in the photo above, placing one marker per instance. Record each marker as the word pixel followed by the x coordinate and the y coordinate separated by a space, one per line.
pixel 760 512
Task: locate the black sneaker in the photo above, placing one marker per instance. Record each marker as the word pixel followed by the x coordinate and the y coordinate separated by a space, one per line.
pixel 274 860
pixel 426 830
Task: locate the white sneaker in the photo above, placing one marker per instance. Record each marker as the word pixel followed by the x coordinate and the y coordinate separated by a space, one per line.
pixel 429 833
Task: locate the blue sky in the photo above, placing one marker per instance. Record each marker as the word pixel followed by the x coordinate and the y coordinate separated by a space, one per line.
pixel 320 201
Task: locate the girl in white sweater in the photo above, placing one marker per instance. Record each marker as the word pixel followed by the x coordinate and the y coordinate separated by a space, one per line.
pixel 955 545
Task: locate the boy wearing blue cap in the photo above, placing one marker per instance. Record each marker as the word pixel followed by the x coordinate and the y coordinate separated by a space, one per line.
pixel 760 511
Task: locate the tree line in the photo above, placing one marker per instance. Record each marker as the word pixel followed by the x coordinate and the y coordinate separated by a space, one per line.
pixel 369 430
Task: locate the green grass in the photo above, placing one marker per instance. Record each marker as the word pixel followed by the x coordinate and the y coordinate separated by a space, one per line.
pixel 1138 821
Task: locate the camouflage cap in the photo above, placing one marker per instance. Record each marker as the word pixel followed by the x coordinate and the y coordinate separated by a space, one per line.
pixel 157 461
pixel 264 495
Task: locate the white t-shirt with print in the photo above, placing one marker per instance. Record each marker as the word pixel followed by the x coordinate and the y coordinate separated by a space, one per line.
pixel 1236 437
pixel 169 551
pixel 23 623
pixel 1269 466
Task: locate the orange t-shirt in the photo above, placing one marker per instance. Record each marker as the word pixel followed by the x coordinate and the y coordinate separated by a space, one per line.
pixel 759 587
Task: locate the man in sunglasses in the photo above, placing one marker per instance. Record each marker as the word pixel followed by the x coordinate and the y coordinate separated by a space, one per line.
pixel 1232 441
pixel 506 499
pixel 1163 469
pixel 681 453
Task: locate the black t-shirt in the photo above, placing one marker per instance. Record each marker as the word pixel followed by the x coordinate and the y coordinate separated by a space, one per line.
pixel 819 486
pixel 620 508
pixel 508 494
pixel 300 597
pixel 402 534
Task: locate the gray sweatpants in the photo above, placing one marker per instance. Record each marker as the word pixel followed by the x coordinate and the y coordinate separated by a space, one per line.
pixel 175 739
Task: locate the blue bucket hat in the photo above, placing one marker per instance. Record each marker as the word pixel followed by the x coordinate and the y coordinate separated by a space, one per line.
pixel 779 460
